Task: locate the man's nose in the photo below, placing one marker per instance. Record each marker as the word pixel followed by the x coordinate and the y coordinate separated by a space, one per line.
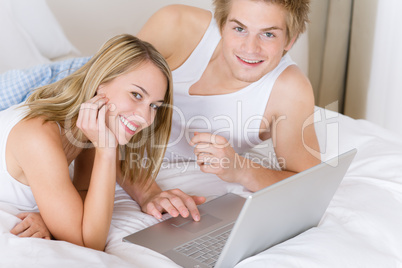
pixel 251 44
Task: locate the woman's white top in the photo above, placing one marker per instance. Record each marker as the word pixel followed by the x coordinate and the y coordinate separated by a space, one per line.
pixel 11 190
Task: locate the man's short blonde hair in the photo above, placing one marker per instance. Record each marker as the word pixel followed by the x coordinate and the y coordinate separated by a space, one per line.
pixel 296 21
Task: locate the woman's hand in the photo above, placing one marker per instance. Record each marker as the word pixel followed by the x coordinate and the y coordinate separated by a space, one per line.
pixel 31 225
pixel 92 122
pixel 175 202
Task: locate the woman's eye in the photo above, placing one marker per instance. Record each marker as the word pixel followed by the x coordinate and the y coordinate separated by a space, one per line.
pixel 137 95
pixel 154 106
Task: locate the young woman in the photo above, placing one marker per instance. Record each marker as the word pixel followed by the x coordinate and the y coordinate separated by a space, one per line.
pixel 114 109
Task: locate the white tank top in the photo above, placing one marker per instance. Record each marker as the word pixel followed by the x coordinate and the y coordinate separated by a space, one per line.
pixel 11 190
pixel 236 116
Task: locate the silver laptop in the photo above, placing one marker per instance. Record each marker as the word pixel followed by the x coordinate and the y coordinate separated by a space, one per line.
pixel 233 228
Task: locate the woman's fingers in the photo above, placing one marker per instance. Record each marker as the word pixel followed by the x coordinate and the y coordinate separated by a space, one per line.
pixel 92 122
pixel 19 228
pixel 31 225
pixel 175 202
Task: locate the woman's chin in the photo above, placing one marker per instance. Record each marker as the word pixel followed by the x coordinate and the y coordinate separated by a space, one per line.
pixel 123 142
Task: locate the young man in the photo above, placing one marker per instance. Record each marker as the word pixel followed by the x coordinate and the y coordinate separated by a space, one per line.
pixel 234 87
pixel 230 77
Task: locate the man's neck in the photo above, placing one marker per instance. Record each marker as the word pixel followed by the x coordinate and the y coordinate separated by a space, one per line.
pixel 217 78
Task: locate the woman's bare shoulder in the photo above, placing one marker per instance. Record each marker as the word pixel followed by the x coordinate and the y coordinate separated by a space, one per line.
pixel 31 145
pixel 34 134
pixel 36 127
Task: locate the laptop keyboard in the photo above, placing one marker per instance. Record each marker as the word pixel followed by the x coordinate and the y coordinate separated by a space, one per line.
pixel 205 249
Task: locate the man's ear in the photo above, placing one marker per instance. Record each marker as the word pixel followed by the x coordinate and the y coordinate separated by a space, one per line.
pixel 290 44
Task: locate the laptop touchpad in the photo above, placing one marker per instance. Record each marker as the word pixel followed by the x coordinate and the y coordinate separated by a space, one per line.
pixel 192 226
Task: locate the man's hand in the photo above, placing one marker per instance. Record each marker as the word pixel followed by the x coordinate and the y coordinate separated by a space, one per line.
pixel 175 202
pixel 32 225
pixel 215 155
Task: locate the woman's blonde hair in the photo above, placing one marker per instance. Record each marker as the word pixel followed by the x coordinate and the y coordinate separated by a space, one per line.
pixel 60 102
pixel 296 21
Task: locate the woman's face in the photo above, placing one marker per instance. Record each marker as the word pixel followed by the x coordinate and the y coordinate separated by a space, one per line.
pixel 134 99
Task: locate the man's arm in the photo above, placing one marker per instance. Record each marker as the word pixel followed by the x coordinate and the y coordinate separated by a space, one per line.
pixel 175 31
pixel 289 112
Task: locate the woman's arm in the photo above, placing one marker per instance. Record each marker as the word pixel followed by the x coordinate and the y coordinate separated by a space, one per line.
pixel 41 156
pixel 99 200
pixel 154 201
pixel 82 171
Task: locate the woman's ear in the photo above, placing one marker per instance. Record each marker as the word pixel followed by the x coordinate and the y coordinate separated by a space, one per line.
pixel 100 90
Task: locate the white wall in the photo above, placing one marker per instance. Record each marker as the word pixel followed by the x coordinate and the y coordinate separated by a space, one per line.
pixel 89 23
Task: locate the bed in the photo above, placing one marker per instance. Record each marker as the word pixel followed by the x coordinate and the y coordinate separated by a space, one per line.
pixel 361 227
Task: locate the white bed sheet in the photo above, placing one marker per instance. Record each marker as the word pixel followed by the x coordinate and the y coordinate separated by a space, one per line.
pixel 361 228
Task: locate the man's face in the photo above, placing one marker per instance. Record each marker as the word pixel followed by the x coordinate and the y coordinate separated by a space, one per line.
pixel 254 39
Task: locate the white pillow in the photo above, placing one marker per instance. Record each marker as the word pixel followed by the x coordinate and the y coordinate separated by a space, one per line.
pixel 38 21
pixel 17 50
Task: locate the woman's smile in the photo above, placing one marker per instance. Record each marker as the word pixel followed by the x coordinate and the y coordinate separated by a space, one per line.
pixel 130 127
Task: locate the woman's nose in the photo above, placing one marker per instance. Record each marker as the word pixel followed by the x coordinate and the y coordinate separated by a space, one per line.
pixel 144 113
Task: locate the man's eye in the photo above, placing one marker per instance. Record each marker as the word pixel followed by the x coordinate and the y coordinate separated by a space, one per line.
pixel 137 95
pixel 239 29
pixel 269 34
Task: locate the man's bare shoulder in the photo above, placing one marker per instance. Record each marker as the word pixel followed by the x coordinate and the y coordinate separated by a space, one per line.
pixel 175 31
pixel 291 87
pixel 182 15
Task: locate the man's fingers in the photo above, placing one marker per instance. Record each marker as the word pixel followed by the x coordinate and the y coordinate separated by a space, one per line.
pixel 202 137
pixel 210 168
pixel 208 139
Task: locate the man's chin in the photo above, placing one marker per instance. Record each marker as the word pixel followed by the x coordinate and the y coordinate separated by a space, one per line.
pixel 248 78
